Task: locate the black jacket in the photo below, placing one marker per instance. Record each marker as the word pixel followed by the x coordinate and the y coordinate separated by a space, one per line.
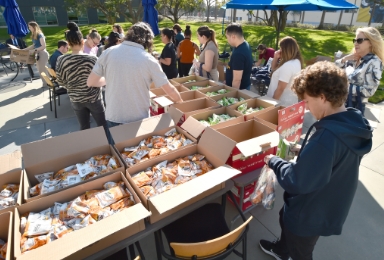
pixel 320 186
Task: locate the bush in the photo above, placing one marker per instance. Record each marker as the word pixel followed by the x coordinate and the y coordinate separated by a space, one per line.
pixel 160 18
pixel 301 25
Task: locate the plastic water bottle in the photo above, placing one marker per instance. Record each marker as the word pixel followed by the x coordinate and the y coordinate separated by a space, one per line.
pixel 338 54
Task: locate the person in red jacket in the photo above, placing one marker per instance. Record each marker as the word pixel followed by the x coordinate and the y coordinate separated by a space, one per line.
pixel 264 54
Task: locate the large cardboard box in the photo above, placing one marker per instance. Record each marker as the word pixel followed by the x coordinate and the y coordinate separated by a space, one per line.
pixel 288 121
pixel 195 128
pixel 88 240
pixel 182 80
pixel 252 103
pixel 180 112
pixel 270 100
pixel 250 142
pixel 6 232
pixel 22 56
pixel 11 173
pixel 54 154
pixel 162 205
pixel 160 105
pixel 215 89
pixel 204 84
pixel 246 94
pixel 132 134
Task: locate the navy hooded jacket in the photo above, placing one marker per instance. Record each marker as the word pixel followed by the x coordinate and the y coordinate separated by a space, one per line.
pixel 320 186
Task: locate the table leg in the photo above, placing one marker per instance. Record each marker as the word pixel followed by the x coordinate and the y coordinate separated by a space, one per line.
pixel 223 202
pixel 17 73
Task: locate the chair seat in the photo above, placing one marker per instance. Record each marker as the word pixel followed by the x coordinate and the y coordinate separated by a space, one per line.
pixel 203 224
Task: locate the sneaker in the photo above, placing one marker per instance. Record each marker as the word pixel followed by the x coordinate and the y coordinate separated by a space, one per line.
pixel 270 248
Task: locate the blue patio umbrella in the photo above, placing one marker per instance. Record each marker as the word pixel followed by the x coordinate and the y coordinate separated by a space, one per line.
pixel 291 5
pixel 150 15
pixel 15 21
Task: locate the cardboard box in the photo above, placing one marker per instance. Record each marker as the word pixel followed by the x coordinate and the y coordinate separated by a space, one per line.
pixel 22 56
pixel 6 232
pixel 221 68
pixel 288 121
pixel 250 142
pixel 255 102
pixel 132 134
pixel 195 128
pixel 88 240
pixel 270 100
pixel 11 173
pixel 160 105
pixel 237 94
pixel 54 154
pixel 215 89
pixel 182 80
pixel 204 83
pixel 248 190
pixel 158 92
pixel 180 112
pixel 162 205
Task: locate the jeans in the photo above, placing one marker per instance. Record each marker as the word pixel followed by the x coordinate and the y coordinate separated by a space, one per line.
pixel 84 110
pixel 298 248
pixel 355 105
pixel 108 133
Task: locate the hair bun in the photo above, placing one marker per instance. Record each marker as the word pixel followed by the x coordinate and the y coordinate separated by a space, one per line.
pixel 93 31
pixel 72 26
pixel 188 27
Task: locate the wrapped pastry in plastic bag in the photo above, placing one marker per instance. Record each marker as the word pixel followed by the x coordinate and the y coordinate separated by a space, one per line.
pixel 123 203
pixel 3 249
pixel 38 223
pixel 32 243
pixel 141 179
pixel 110 196
pixel 265 189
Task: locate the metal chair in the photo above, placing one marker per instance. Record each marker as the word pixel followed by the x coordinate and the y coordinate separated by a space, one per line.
pixel 54 91
pixel 204 234
pixel 5 59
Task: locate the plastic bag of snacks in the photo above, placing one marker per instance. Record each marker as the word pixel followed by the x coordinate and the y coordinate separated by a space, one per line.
pixel 264 192
pixel 3 249
pixel 8 195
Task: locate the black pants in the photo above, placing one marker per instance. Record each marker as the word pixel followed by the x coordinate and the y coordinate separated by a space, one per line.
pixel 184 67
pixel 83 112
pixel 179 68
pixel 298 248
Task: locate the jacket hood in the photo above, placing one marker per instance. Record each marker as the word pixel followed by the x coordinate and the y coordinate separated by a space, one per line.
pixel 351 128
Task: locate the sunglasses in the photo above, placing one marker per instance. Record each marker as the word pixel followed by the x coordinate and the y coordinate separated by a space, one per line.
pixel 360 40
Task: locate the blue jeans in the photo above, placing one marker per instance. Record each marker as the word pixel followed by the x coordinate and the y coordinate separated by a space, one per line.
pixel 108 133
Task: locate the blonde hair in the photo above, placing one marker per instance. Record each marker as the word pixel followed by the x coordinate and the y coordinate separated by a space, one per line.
pixel 289 50
pixel 36 29
pixel 377 43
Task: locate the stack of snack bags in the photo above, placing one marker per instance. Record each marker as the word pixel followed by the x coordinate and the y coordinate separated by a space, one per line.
pixel 227 101
pixel 215 119
pixel 154 146
pixel 215 93
pixel 93 167
pixel 164 176
pixel 3 249
pixel 8 195
pixel 55 222
pixel 243 108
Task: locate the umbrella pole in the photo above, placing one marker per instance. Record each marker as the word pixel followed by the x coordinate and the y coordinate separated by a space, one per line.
pixel 278 29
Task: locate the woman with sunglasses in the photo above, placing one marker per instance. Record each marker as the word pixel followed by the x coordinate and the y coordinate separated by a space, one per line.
pixel 92 42
pixel 72 73
pixel 366 60
pixel 286 64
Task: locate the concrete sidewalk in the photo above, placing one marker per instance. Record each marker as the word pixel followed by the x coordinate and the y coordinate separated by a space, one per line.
pixel 26 117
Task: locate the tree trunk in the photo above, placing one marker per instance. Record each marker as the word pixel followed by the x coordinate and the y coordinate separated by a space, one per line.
pixel 341 15
pixel 257 16
pixel 234 16
pixel 373 11
pixel 302 18
pixel 111 19
pixel 321 25
pixel 208 13
pixel 215 11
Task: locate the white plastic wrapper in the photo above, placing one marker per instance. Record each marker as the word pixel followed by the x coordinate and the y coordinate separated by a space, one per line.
pixel 70 168
pixel 171 132
pixel 112 163
pixel 140 154
pixel 72 179
pixel 84 169
pixel 50 186
pixel 44 176
pixel 56 208
pixel 39 223
pixel 131 149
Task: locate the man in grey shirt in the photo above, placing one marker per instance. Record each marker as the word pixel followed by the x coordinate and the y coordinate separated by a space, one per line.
pixel 128 71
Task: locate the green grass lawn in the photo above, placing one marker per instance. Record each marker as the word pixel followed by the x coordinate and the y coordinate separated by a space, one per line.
pixel 311 42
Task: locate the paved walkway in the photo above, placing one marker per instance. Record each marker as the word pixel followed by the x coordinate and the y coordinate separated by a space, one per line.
pixel 25 116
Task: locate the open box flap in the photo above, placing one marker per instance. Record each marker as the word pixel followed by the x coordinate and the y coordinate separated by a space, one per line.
pixel 175 114
pixel 249 93
pixel 148 125
pixel 217 144
pixel 163 101
pixel 259 144
pixel 182 193
pixel 63 145
pixel 151 94
pixel 194 127
pixel 6 232
pixel 270 100
pixel 10 162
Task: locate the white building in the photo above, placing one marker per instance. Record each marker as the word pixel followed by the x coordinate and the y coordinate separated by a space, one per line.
pixel 358 17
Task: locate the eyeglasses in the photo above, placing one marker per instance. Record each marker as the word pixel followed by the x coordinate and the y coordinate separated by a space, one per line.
pixel 360 40
pixel 94 43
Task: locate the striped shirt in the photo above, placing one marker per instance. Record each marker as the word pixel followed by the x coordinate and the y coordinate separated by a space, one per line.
pixel 72 73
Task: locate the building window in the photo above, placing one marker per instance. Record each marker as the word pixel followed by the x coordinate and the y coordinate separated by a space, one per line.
pixel 45 15
pixel 2 20
pixel 77 16
pixel 350 11
pixel 102 17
